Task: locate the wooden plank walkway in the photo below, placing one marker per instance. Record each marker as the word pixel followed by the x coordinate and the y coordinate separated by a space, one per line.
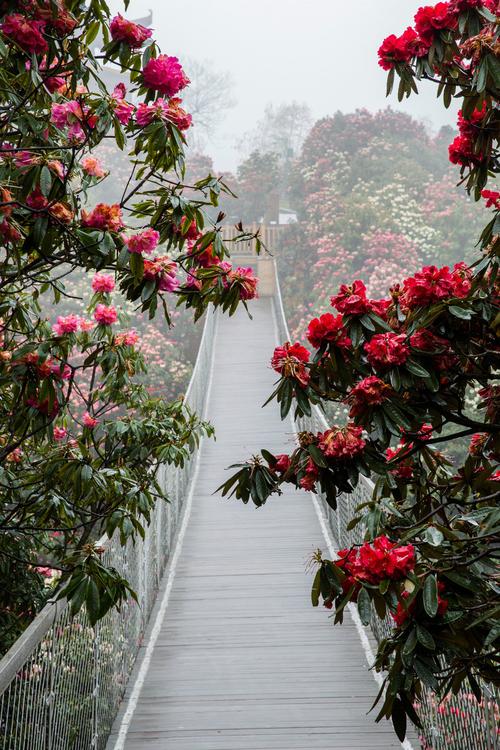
pixel 242 661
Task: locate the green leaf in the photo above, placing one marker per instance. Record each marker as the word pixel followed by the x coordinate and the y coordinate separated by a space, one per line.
pixel 316 588
pixel 317 456
pixel 430 595
pixel 460 312
pixel 425 638
pixel 398 716
pixel 433 536
pixel 364 606
pixel 417 370
pixel 45 180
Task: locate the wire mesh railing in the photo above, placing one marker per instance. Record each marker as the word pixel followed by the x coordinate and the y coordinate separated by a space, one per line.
pixel 63 680
pixel 459 722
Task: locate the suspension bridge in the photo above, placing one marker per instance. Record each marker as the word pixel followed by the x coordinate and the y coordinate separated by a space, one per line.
pixel 224 651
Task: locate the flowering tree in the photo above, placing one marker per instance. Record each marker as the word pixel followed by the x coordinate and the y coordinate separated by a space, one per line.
pixel 80 437
pixel 404 366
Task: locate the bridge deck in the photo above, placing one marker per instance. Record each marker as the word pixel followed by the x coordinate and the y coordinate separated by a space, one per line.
pixel 242 661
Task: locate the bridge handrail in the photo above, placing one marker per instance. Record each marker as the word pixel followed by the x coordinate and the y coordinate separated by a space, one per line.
pixel 443 723
pixel 62 681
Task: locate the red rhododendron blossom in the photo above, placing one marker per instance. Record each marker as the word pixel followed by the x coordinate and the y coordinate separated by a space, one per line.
pixel 380 307
pixel 104 217
pixel 163 270
pixel 434 18
pixel 131 33
pixel 351 300
pixel 15 456
pixel 66 324
pixel 177 115
pixel 370 391
pixel 427 341
pixel 461 276
pixel 56 15
pixel 162 109
pixel 477 443
pixel 164 74
pixel 492 198
pixel 329 329
pixel 103 282
pixel 308 481
pixel 402 48
pixel 281 464
pixel 245 280
pixel 377 561
pixel 105 315
pixel 89 422
pixel 404 468
pixel 93 167
pixel 191 234
pixel 387 350
pixel 206 258
pixel 143 242
pixel 8 232
pixel 60 433
pixel 461 151
pixel 28 34
pixel 289 361
pixel 128 338
pixel 430 285
pixel 345 559
pixel 342 442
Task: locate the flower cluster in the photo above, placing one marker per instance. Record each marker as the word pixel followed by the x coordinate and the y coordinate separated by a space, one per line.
pixel 368 392
pixel 165 75
pixel 143 242
pixel 289 361
pixel 104 217
pixel 128 32
pixel 378 561
pixel 328 329
pixel 163 270
pixel 387 350
pixel 432 284
pixel 342 442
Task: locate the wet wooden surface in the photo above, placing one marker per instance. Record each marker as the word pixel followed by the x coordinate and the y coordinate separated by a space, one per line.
pixel 243 662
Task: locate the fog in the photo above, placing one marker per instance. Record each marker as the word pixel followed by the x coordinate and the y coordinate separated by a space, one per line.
pixel 323 52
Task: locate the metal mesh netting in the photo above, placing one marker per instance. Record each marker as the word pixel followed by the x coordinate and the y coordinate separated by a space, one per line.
pixel 63 680
pixel 459 722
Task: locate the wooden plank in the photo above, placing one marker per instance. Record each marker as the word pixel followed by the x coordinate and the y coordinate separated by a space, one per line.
pixel 243 662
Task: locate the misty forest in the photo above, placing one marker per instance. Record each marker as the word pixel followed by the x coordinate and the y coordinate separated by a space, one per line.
pixel 249 373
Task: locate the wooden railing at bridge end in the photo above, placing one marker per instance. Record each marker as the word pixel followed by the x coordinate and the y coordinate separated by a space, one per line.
pixel 244 252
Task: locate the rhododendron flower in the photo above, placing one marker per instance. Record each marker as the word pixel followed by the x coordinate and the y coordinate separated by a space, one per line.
pixel 245 280
pixel 25 159
pixel 57 168
pixel 66 324
pixel 289 361
pixel 492 198
pixel 104 217
pixel 8 232
pixel 56 16
pixel 308 481
pixel 143 242
pixel 122 109
pixel 27 33
pixel 61 212
pixel 402 48
pixel 163 110
pixel 206 258
pixel 103 282
pixel 404 467
pixel 430 285
pixel 351 300
pixel 477 443
pixel 60 433
pixel 370 391
pixel 164 74
pixel 105 315
pixel 434 18
pixel 192 233
pixel 128 338
pixel 387 349
pixel 377 561
pixel 281 464
pixel 164 271
pixel 72 113
pixel 461 152
pixel 44 407
pixel 89 421
pixel 329 329
pixel 15 456
pixel 93 167
pixel 131 33
pixel 85 325
pixel 342 442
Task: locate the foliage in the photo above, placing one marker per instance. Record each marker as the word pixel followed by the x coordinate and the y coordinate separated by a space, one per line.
pixel 81 437
pixel 404 366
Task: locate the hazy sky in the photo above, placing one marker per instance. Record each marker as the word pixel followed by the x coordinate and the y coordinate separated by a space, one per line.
pixel 323 52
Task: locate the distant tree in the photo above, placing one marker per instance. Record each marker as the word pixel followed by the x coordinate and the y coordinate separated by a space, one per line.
pixel 257 178
pixel 209 96
pixel 282 130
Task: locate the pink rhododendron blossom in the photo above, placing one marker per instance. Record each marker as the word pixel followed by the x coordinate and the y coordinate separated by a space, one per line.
pixel 60 433
pixel 85 325
pixel 245 280
pixel 164 271
pixel 93 167
pixel 66 324
pixel 89 421
pixel 131 33
pixel 104 217
pixel 143 242
pixel 164 74
pixel 128 338
pixel 103 282
pixel 105 315
pixel 27 33
pixel 15 456
pixel 165 110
